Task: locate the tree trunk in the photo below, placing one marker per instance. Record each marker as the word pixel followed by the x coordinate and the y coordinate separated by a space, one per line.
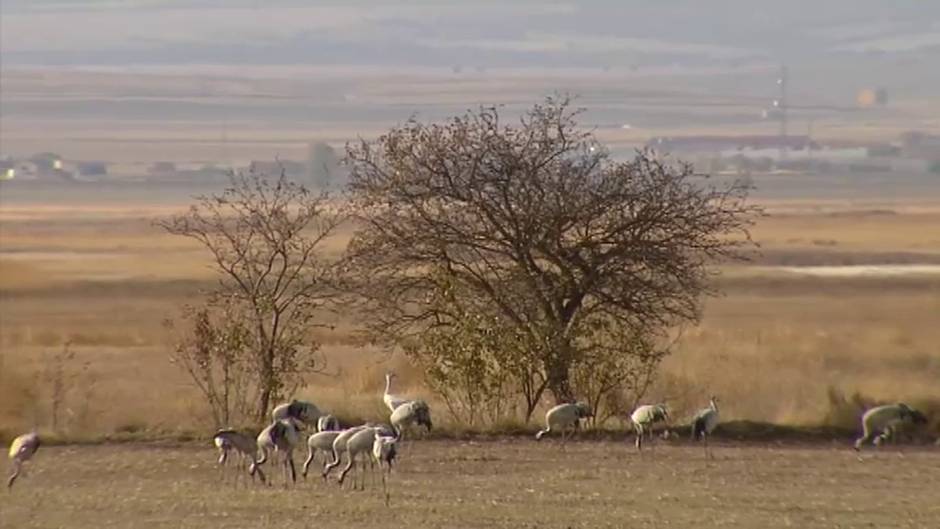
pixel 267 384
pixel 558 372
pixel 266 352
pixel 532 397
pixel 561 388
pixel 263 403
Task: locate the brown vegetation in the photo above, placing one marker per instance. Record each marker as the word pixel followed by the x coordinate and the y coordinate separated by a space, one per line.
pixel 531 243
pixel 772 347
pixel 266 237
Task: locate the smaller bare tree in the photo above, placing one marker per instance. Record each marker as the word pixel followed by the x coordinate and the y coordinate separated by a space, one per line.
pixel 266 238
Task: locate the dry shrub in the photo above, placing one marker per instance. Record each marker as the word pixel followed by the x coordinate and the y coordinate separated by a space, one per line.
pixel 615 379
pixel 58 397
pixel 929 406
pixel 216 354
pixel 67 391
pixel 682 394
pixel 844 411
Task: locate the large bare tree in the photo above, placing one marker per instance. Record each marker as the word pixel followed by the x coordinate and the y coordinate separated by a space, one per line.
pixel 266 235
pixel 541 228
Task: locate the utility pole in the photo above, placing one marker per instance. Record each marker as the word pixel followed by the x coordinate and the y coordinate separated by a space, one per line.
pixel 782 105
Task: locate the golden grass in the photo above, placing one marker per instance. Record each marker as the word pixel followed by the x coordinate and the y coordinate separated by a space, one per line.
pixel 882 230
pixel 771 348
pixel 488 484
pixel 774 357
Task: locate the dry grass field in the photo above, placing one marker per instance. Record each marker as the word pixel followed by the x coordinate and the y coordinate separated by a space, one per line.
pixel 775 346
pixel 505 483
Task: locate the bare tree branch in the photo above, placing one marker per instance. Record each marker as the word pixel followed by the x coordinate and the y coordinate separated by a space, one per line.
pixel 537 225
pixel 266 237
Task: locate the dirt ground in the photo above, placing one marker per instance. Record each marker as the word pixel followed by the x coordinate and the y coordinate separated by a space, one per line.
pixel 506 483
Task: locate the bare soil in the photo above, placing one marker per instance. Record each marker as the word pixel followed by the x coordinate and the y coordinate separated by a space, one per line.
pixel 505 483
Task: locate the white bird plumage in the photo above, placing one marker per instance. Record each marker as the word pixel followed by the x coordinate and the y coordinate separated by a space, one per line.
pixel 280 437
pixel 22 449
pixel 705 422
pixel 327 423
pixel 409 413
pixel 244 446
pixel 881 423
pixel 391 401
pixel 339 447
pixel 319 442
pixel 384 450
pixel 645 417
pixel 299 410
pixel 363 442
pixel 564 417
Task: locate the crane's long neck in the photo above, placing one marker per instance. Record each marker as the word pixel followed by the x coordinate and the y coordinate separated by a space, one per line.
pixel 714 405
pixel 388 383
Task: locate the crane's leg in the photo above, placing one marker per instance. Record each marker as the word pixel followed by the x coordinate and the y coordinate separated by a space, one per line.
pixel 310 453
pixel 359 483
pixel 255 469
pixel 362 475
pixel 541 433
pixel 293 469
pixel 236 467
pixel 16 465
pixel 372 471
pixel 891 435
pixel 861 441
pixel 240 469
pixel 284 472
pixel 345 471
pixel 223 459
pixel 385 487
pixel 356 473
pixel 574 431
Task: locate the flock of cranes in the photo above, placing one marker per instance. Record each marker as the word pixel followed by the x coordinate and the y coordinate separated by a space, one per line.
pixel 366 444
pixel 377 444
pixel 565 418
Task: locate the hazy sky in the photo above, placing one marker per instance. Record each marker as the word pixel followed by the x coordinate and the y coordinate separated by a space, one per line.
pixel 487 34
